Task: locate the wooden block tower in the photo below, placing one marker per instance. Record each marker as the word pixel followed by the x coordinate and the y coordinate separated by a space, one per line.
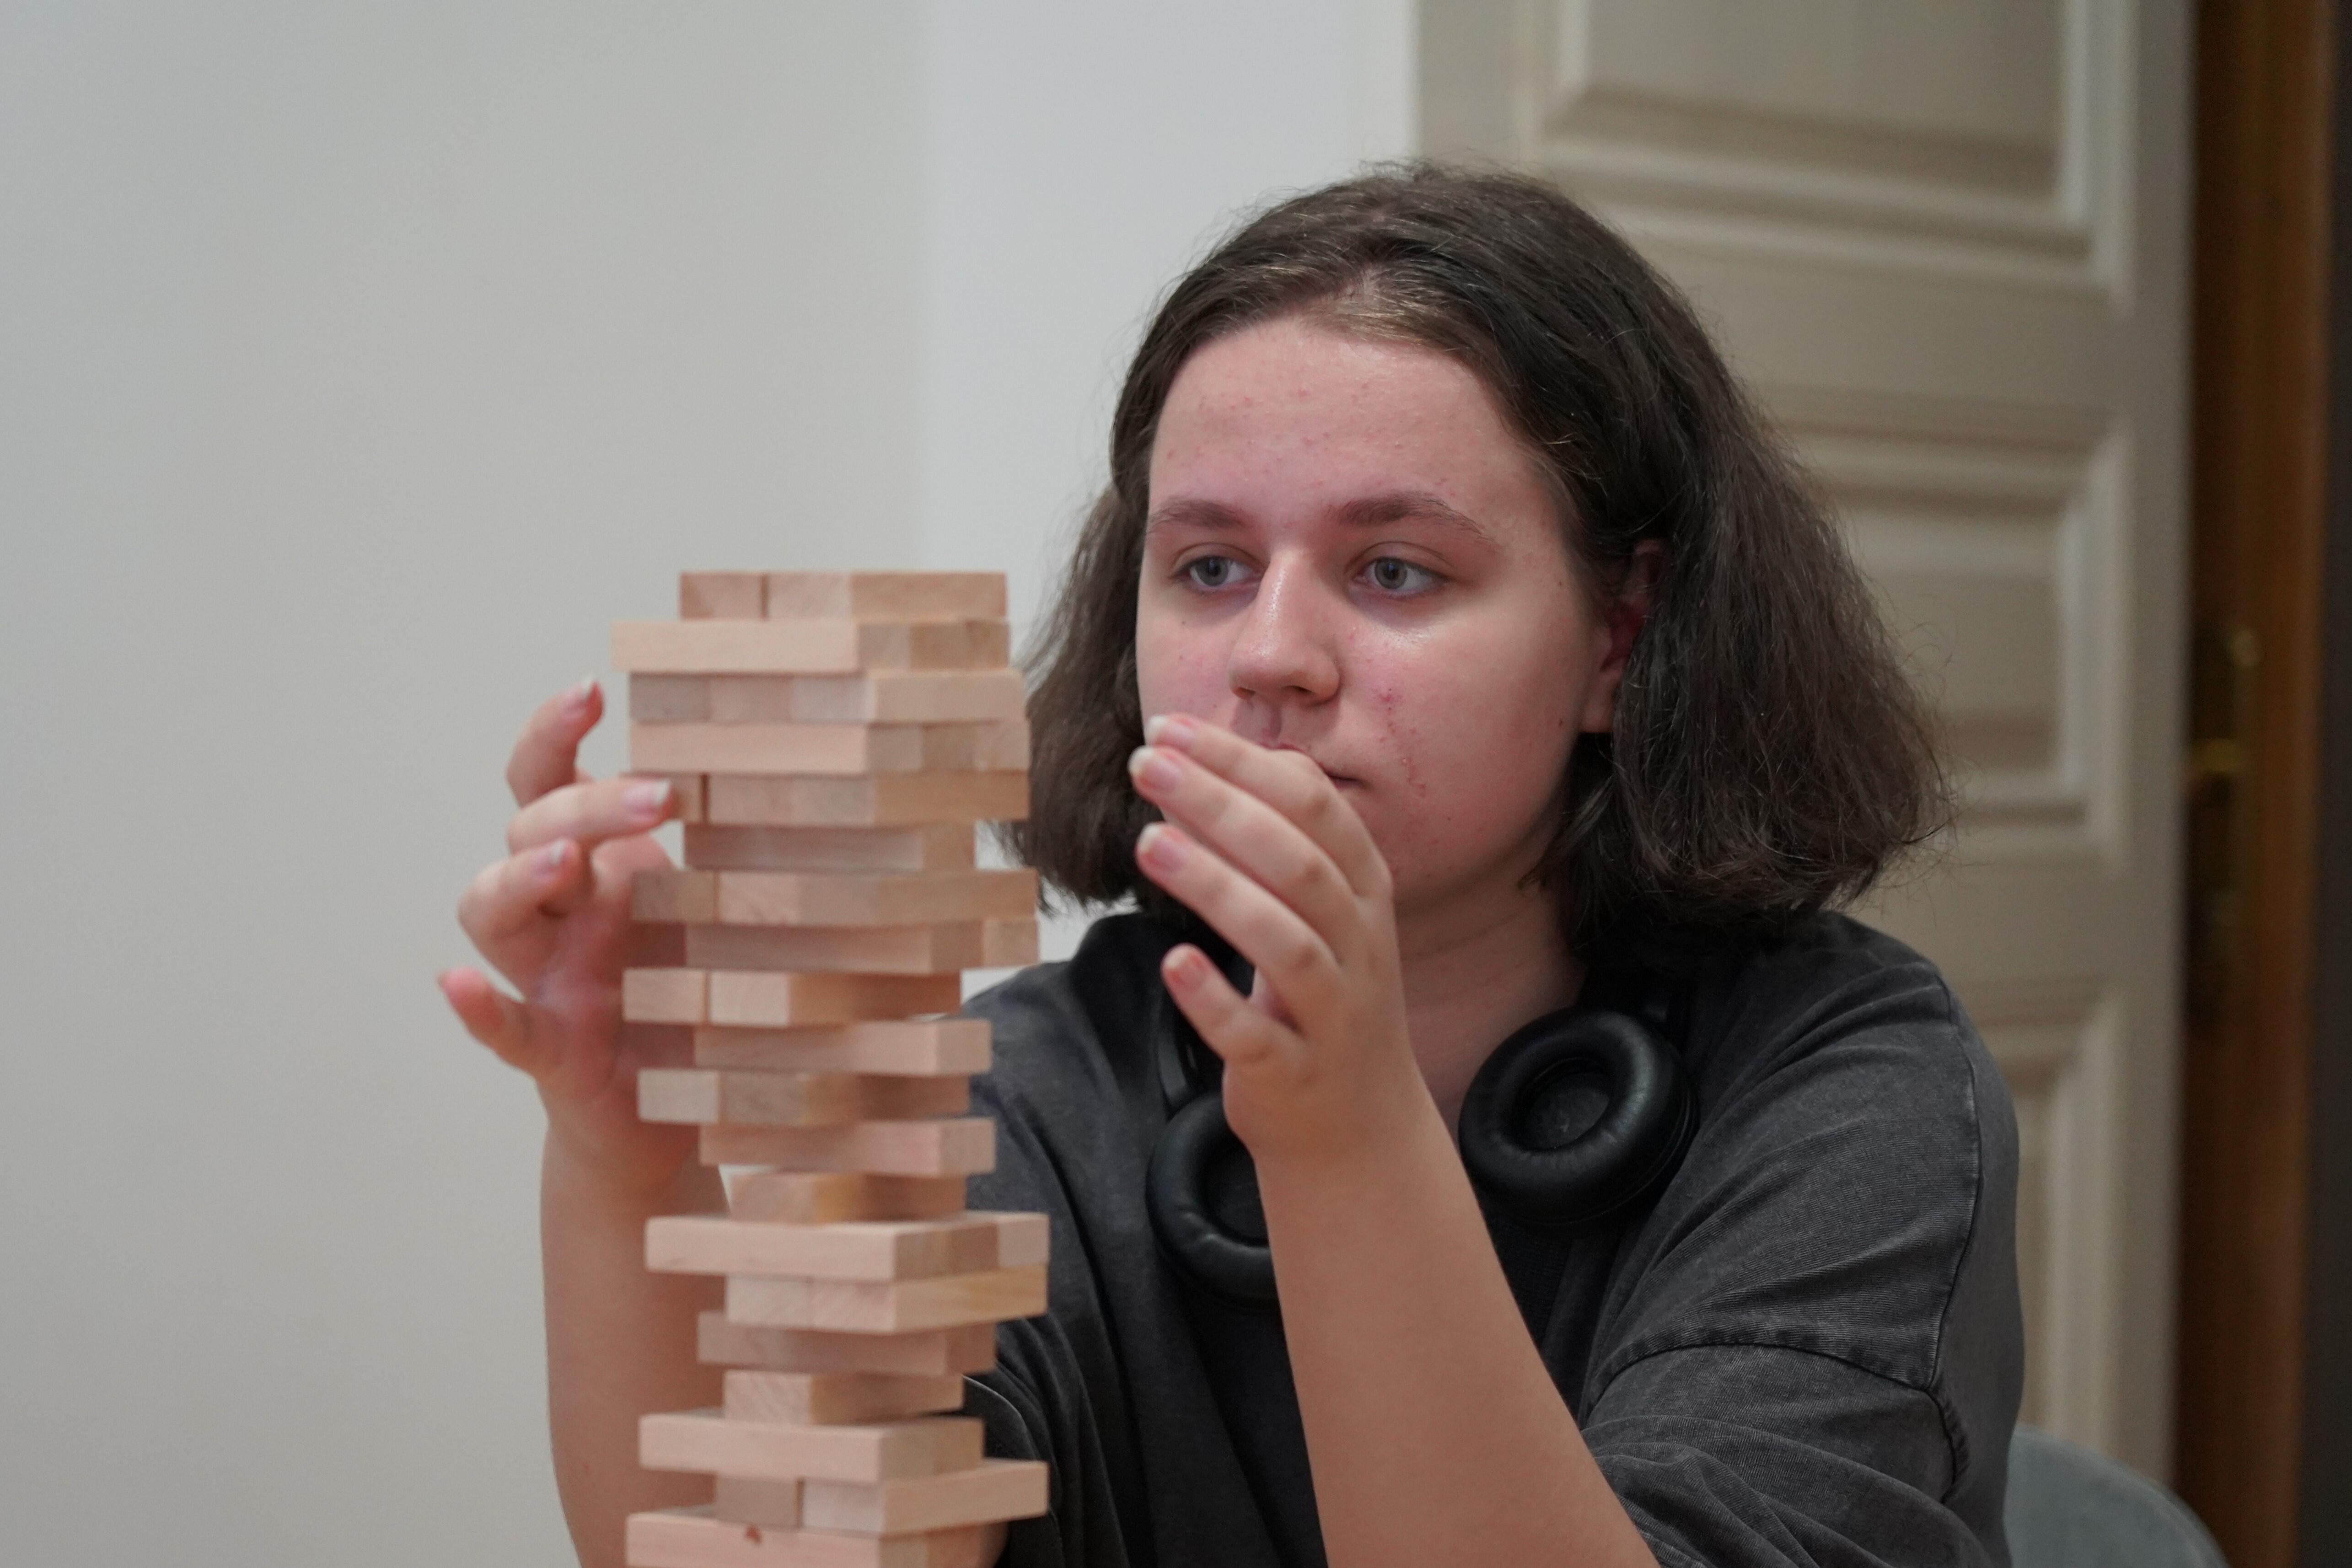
pixel 834 738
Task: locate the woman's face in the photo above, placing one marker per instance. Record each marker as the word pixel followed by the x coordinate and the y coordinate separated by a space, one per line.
pixel 1351 554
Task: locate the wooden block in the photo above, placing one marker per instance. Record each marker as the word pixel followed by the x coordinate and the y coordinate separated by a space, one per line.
pixel 878 696
pixel 822 1197
pixel 882 800
pixel 782 1001
pixel 910 1047
pixel 692 794
pixel 742 1499
pixel 697 1538
pixel 654 945
pixel 872 1250
pixel 722 596
pixel 1005 944
pixel 997 1489
pixel 844 898
pixel 664 995
pixel 804 647
pixel 828 749
pixel 847 950
pixel 893 1307
pixel 829 1398
pixel 887 596
pixel 671 698
pixel 962 1350
pixel 707 1441
pixel 794 1098
pixel 960 1147
pixel 668 896
pixel 939 847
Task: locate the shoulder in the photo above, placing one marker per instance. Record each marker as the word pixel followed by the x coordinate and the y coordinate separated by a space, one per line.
pixel 1853 1172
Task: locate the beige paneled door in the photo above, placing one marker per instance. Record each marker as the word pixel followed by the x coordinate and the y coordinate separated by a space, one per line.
pixel 1945 241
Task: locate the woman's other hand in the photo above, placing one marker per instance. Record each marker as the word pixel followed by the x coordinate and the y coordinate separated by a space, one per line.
pixel 552 917
pixel 1266 849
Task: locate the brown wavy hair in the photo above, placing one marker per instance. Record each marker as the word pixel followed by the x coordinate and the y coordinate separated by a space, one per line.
pixel 1769 755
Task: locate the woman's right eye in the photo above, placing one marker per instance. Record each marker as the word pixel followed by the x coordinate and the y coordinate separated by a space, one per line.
pixel 1210 571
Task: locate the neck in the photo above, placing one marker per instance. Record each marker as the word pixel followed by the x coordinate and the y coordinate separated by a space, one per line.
pixel 1473 971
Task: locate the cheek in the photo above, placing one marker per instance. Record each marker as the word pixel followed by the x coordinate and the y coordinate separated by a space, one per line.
pixel 1176 671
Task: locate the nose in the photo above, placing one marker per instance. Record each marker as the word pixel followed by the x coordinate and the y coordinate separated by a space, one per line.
pixel 1285 651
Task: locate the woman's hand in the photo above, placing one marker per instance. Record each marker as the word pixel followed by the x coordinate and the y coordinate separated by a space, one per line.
pixel 554 917
pixel 1263 846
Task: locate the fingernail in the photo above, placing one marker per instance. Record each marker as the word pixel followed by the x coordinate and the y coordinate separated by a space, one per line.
pixel 581 694
pixel 1170 730
pixel 551 859
pixel 1153 769
pixel 644 799
pixel 1160 846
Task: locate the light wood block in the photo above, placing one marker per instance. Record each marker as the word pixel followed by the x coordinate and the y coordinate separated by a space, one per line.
pixel 696 1538
pixel 939 847
pixel 742 1499
pixel 934 1353
pixel 864 1249
pixel 708 1442
pixel 997 1489
pixel 878 696
pixel 675 699
pixel 827 1398
pixel 822 1197
pixel 847 949
pixel 828 749
pixel 722 596
pixel 882 800
pixel 959 1147
pixel 698 1095
pixel 692 794
pixel 783 1001
pixel 887 596
pixel 664 995
pixel 834 897
pixel 805 646
pixel 894 1307
pixel 908 1047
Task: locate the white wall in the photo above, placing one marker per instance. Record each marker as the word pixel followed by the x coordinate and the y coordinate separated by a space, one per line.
pixel 357 365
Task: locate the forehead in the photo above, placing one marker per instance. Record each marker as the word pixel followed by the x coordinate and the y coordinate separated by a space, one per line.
pixel 1295 388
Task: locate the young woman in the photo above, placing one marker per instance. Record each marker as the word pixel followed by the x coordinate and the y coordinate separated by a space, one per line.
pixel 1451 648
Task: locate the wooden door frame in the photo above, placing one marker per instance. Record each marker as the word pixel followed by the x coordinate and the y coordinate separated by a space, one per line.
pixel 2265 145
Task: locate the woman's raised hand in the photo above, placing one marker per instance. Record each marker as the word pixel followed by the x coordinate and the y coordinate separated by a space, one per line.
pixel 1264 846
pixel 554 917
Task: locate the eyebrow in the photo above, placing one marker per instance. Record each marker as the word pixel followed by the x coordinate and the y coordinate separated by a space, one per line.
pixel 1368 512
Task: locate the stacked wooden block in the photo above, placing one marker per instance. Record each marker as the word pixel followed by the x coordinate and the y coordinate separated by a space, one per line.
pixel 834 740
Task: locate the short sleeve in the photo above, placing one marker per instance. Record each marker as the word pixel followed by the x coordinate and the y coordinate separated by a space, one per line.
pixel 1812 1350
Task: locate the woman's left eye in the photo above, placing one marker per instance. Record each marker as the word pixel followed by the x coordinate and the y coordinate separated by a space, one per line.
pixel 1391 575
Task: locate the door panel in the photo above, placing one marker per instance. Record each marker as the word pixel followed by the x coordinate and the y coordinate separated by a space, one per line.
pixel 1945 246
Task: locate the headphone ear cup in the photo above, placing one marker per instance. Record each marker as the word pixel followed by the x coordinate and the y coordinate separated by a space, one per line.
pixel 1575 1118
pixel 1197 1155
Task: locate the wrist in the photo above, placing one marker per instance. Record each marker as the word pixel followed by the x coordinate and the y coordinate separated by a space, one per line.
pixel 580 1174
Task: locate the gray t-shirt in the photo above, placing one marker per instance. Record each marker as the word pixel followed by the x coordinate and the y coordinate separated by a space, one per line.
pixel 1807 1349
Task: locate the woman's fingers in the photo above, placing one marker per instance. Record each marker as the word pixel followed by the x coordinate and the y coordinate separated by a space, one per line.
pixel 1292 784
pixel 1255 838
pixel 591 813
pixel 513 898
pixel 1233 1028
pixel 1289 954
pixel 546 755
pixel 496 1020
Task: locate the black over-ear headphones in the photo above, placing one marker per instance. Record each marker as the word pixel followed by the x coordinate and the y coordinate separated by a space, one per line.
pixel 1575 1118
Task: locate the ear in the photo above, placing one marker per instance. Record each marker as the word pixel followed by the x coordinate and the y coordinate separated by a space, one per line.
pixel 1628 610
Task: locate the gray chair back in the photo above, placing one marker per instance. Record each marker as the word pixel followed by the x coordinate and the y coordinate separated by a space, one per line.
pixel 2070 1507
